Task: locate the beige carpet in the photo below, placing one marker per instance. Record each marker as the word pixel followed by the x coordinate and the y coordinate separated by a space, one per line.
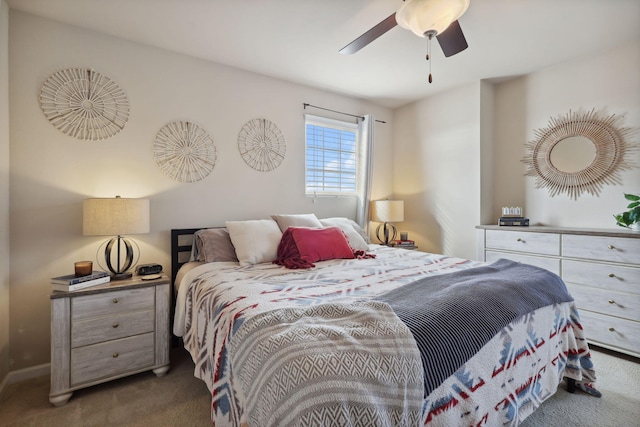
pixel 179 399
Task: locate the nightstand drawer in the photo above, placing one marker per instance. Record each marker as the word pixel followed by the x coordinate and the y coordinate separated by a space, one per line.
pixel 522 241
pixel 111 358
pixel 95 330
pixel 105 304
pixel 605 301
pixel 605 276
pixel 602 248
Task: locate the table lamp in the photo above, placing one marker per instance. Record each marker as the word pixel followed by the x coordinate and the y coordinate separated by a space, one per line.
pixel 387 211
pixel 116 217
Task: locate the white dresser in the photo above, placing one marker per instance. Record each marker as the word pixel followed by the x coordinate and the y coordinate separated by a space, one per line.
pixel 106 332
pixel 600 267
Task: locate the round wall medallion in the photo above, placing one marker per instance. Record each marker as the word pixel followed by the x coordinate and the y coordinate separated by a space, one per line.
pixel 261 145
pixel 578 152
pixel 84 104
pixel 184 151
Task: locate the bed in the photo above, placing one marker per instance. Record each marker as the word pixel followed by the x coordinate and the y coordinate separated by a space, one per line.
pixel 386 336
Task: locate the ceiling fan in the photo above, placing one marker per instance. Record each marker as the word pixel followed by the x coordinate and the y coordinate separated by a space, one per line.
pixel 425 18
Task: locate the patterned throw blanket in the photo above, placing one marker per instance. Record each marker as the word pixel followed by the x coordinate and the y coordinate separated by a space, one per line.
pixel 452 316
pixel 315 366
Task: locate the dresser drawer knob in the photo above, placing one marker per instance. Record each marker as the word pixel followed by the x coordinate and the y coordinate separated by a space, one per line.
pixel 612 275
pixel 612 329
pixel 115 300
pixel 519 240
pixel 611 301
pixel 116 324
pixel 611 247
pixel 115 355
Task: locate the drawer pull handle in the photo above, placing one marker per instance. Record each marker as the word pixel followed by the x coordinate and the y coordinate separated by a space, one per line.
pixel 115 355
pixel 611 247
pixel 612 329
pixel 612 275
pixel 115 325
pixel 519 240
pixel 115 300
pixel 611 301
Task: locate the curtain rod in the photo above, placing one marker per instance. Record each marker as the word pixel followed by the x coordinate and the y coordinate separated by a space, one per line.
pixel 305 105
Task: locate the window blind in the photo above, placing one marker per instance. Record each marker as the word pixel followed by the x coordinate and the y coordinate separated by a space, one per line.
pixel 331 153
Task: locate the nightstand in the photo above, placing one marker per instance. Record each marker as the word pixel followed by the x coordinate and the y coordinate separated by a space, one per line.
pixel 106 332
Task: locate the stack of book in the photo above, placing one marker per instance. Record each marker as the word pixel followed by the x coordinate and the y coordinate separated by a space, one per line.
pixel 517 221
pixel 513 216
pixel 407 244
pixel 71 282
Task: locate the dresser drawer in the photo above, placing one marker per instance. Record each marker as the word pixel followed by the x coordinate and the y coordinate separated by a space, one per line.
pixel 606 276
pixel 111 358
pixel 522 241
pixel 109 303
pixel 551 264
pixel 611 331
pixel 602 248
pixel 607 302
pixel 121 325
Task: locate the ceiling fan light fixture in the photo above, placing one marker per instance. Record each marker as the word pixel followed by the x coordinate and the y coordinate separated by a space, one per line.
pixel 423 16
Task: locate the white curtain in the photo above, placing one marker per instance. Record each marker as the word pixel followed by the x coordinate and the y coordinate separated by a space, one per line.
pixel 365 172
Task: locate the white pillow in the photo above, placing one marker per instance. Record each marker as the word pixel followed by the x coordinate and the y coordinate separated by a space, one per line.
pixel 356 241
pixel 256 241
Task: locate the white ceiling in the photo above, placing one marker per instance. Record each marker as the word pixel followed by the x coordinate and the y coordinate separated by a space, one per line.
pixel 298 40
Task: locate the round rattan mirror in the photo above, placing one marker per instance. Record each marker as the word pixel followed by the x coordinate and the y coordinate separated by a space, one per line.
pixel 578 152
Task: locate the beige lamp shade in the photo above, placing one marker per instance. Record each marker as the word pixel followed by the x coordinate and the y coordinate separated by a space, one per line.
pixel 387 211
pixel 115 217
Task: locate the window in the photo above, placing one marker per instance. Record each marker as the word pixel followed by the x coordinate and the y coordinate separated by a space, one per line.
pixel 330 156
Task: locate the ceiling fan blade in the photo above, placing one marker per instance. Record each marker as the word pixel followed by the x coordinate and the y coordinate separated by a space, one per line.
pixel 370 35
pixel 452 40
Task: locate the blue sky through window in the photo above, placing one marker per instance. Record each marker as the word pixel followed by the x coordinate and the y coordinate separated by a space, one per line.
pixel 330 160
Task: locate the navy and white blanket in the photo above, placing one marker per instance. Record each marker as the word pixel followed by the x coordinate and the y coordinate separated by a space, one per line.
pixel 452 316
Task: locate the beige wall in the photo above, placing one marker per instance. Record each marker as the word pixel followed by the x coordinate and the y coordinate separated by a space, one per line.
pixel 51 173
pixel 607 81
pixel 437 170
pixel 4 191
pixel 458 156
pixel 487 113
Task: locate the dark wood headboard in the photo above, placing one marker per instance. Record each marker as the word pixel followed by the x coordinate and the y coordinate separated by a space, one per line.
pixel 181 241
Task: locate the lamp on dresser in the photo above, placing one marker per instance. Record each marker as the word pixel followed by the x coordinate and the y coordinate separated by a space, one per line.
pixel 386 212
pixel 116 217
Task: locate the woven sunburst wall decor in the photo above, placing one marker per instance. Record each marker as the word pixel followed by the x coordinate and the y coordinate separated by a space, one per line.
pixel 184 151
pixel 84 104
pixel 261 145
pixel 611 152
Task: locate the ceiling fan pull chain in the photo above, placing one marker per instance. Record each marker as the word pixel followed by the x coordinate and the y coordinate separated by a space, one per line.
pixel 429 37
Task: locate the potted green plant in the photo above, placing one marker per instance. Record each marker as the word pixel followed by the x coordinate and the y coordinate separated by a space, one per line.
pixel 631 217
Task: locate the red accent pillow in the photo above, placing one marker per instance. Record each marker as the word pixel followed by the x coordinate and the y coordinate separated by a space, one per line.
pixel 301 247
pixel 322 244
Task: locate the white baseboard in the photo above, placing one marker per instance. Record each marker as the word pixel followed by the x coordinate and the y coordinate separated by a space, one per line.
pixel 25 374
